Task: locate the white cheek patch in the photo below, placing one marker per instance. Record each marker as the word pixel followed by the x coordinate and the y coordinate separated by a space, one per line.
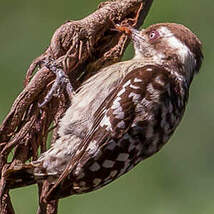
pixel 173 42
pixel 185 55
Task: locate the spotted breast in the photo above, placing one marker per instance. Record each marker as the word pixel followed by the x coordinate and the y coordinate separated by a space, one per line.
pixel 136 122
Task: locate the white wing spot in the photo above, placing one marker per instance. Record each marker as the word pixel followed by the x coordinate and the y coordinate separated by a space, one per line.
pixel 137 80
pixel 121 92
pixel 92 147
pixel 135 97
pixel 122 157
pixel 113 173
pixel 127 83
pixel 119 113
pixel 118 110
pixel 134 87
pixel 106 122
pixel 108 164
pixel 149 69
pixel 121 125
pixel 116 103
pixel 120 116
pixel 94 167
pixel 97 181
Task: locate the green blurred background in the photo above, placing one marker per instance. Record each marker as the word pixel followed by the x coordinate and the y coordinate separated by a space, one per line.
pixel 179 179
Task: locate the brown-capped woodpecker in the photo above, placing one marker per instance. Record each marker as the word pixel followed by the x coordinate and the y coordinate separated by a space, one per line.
pixel 123 114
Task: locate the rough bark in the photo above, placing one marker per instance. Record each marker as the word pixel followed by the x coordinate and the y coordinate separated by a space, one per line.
pixel 81 48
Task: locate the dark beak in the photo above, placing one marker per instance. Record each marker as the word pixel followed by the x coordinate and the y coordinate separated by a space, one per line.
pixel 134 34
pixel 137 36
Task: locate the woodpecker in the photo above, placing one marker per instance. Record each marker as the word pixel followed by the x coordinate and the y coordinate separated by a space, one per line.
pixel 123 114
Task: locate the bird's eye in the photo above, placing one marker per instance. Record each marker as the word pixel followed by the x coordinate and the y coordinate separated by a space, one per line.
pixel 154 35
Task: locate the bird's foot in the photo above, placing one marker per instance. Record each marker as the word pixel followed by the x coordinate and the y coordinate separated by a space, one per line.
pixel 61 82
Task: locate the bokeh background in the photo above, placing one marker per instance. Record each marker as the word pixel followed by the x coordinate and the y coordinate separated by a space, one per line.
pixel 180 178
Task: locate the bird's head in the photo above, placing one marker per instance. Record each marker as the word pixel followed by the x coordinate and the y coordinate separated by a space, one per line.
pixel 168 44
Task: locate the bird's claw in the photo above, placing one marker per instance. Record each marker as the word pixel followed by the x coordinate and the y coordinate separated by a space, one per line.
pixel 61 82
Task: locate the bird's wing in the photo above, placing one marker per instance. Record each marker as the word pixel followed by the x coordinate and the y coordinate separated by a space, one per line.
pixel 115 116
